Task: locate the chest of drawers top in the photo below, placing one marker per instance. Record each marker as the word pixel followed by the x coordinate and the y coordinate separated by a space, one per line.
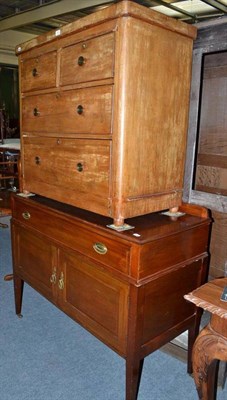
pixel 104 106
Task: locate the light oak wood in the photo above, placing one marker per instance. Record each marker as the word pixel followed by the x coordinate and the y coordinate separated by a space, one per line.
pixel 129 68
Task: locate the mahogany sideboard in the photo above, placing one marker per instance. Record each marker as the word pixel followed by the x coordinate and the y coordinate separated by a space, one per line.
pixel 126 288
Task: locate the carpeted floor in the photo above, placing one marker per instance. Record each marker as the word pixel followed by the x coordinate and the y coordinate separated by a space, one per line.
pixel 47 356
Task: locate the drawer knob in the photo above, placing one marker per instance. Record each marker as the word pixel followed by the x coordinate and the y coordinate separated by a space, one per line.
pixel 34 72
pixel 26 215
pixel 81 61
pixel 37 160
pixel 79 167
pixel 80 109
pixel 36 112
pixel 100 248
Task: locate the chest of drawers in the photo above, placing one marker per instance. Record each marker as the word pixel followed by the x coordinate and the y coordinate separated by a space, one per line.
pixel 126 288
pixel 104 109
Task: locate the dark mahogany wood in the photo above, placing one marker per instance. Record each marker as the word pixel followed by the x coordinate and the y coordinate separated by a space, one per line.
pixel 126 288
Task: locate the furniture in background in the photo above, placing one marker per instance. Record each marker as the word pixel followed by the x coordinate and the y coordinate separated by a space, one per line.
pixel 211 344
pixel 206 162
pixel 92 135
pixel 126 288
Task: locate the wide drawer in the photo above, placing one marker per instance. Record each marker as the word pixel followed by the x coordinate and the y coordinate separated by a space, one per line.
pixel 104 249
pixel 39 72
pixel 88 61
pixel 73 111
pixel 73 171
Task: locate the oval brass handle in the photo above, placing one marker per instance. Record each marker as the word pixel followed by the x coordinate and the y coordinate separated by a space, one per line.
pixel 26 215
pixel 80 109
pixel 53 278
pixel 79 167
pixel 61 281
pixel 81 61
pixel 36 112
pixel 37 160
pixel 100 248
pixel 34 72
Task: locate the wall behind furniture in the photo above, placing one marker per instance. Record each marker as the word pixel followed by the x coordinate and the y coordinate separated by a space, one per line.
pixel 8 41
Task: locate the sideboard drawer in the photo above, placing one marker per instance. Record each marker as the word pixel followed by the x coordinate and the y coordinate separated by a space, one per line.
pixel 88 61
pixel 39 72
pixel 101 248
pixel 73 111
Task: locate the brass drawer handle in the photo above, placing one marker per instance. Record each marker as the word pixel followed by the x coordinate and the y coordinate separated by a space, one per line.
pixel 100 248
pixel 81 61
pixel 80 109
pixel 26 215
pixel 61 281
pixel 36 112
pixel 53 278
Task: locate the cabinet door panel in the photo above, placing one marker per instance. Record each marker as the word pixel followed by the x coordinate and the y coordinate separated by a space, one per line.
pixel 95 299
pixel 71 171
pixel 39 72
pixel 88 61
pixel 35 259
pixel 84 111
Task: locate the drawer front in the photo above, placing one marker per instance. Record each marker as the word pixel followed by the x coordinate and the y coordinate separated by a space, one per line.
pixel 74 171
pixel 74 111
pixel 94 298
pixel 104 249
pixel 39 72
pixel 87 61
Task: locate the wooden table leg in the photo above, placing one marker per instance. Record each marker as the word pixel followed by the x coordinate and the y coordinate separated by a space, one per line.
pixel 133 375
pixel 210 348
pixel 18 291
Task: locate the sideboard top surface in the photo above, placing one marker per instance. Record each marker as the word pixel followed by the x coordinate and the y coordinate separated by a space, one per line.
pixel 145 228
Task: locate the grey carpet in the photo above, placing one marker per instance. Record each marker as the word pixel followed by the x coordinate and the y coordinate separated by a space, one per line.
pixel 47 356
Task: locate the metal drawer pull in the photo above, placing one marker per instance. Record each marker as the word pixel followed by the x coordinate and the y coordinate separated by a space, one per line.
pixel 34 72
pixel 80 109
pixel 81 61
pixel 36 112
pixel 53 278
pixel 61 281
pixel 79 167
pixel 26 215
pixel 100 248
pixel 37 160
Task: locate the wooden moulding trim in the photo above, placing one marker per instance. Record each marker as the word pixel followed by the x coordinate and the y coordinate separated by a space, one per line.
pixel 194 209
pixel 206 305
pixel 122 9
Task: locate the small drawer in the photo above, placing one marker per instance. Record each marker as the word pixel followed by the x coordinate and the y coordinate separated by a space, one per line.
pixel 87 61
pixel 68 232
pixel 39 72
pixel 75 111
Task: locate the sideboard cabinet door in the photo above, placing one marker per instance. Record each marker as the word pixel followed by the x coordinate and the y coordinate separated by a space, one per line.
pixel 35 260
pixel 94 298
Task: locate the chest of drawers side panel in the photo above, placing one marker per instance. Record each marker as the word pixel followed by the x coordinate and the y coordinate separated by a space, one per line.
pixel 150 116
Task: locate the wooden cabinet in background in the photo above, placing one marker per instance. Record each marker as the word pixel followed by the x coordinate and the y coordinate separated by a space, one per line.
pixel 118 79
pixel 126 288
